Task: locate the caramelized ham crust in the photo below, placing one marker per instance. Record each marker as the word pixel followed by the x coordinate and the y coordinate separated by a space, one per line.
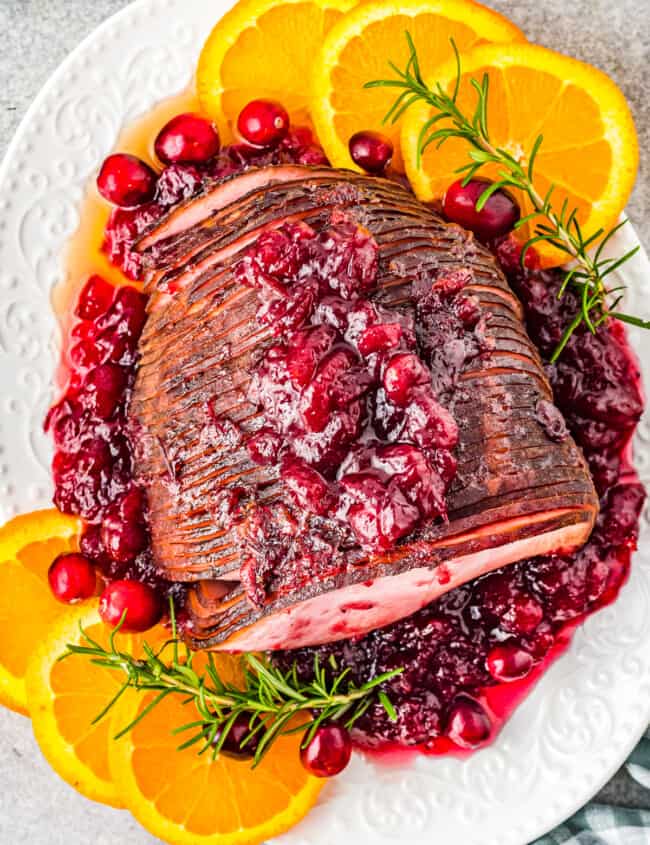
pixel 521 489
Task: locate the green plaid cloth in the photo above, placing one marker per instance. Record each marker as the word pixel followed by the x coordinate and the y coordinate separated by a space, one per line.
pixel 605 824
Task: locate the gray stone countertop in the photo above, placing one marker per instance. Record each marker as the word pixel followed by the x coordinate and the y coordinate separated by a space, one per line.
pixel 35 806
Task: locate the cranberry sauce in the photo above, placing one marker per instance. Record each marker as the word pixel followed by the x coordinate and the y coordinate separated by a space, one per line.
pixel 460 651
pixel 596 380
pixel 92 468
pixel 351 418
pixel 181 181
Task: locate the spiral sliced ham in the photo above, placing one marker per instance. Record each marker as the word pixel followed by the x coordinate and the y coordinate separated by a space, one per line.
pixel 519 492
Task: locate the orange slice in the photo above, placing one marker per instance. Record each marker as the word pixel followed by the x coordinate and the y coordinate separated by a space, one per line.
pixel 589 148
pixel 263 49
pixel 359 47
pixel 28 545
pixel 187 799
pixel 65 696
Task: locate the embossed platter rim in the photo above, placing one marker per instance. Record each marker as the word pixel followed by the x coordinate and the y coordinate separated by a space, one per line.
pixel 587 712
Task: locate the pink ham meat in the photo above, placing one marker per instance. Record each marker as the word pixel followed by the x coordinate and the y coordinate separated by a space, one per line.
pixel 518 492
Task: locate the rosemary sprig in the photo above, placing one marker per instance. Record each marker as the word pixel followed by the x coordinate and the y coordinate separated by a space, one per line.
pixel 589 272
pixel 270 698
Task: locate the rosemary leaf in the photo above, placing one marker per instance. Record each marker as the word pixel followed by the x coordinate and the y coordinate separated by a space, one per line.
pixel 269 697
pixel 388 706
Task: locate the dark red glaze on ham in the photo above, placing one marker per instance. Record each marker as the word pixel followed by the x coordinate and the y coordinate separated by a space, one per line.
pixel 276 561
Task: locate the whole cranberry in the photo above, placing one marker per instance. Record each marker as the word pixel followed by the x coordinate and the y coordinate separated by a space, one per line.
pixel 131 505
pixel 187 139
pixel 507 251
pixel 136 601
pixel 72 578
pixel 91 542
pixel 103 389
pixel 263 123
pixel 124 227
pixel 328 752
pixel 313 156
pixel 125 180
pixel 523 615
pixel 380 338
pixel 85 355
pixel 372 151
pixel 402 373
pixel 263 447
pixel 307 487
pixel 122 540
pixel 130 310
pixel 497 217
pixel 508 662
pixel 178 182
pixel 94 299
pixel 234 744
pixel 468 725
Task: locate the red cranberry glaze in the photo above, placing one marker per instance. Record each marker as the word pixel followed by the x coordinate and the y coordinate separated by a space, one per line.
pixel 135 602
pixel 388 490
pixel 187 139
pixel 72 578
pixel 371 151
pixel 263 123
pixel 499 628
pixel 596 382
pixel 496 218
pixel 328 752
pixel 350 412
pixel 92 462
pixel 126 181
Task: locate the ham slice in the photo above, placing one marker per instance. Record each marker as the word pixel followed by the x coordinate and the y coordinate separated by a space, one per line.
pixel 519 491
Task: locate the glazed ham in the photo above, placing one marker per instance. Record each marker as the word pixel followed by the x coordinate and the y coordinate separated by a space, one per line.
pixel 338 415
